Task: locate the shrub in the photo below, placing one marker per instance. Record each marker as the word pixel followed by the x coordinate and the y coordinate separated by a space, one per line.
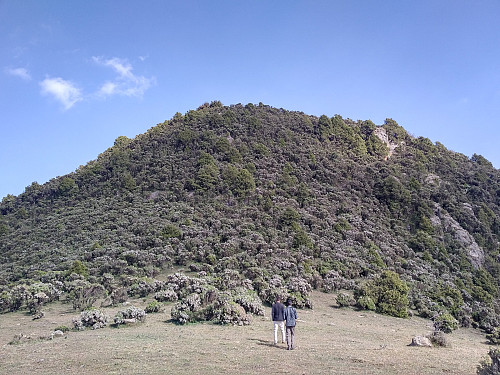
pixel 90 318
pixel 249 300
pixel 118 296
pixel 490 366
pixel 345 300
pixel 85 294
pixel 494 337
pixel 153 307
pixel 167 295
pixel 79 268
pixel 388 292
pixel 62 328
pixel 36 302
pixel 226 311
pixel 366 303
pixel 334 281
pixel 187 310
pixel 438 338
pixel 171 231
pixel 445 322
pixel 300 301
pixel 130 313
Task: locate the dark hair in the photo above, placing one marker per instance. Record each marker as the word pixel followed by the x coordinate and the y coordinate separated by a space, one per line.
pixel 289 302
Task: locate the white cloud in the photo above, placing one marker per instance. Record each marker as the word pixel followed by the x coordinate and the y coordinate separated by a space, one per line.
pixel 126 83
pixel 64 91
pixel 107 89
pixel 19 72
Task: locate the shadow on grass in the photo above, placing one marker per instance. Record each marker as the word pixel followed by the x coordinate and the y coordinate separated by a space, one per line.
pixel 269 344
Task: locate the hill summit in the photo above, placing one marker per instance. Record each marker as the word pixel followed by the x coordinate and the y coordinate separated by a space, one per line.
pixel 257 202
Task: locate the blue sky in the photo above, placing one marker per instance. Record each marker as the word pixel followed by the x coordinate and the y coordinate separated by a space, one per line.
pixel 76 75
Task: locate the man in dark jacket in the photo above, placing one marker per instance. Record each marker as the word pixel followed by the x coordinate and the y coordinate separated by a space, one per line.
pixel 291 319
pixel 278 316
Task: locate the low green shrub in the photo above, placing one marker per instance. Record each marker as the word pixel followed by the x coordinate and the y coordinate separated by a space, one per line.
pixel 153 307
pixel 62 328
pixel 366 303
pixel 388 292
pixel 445 322
pixel 345 300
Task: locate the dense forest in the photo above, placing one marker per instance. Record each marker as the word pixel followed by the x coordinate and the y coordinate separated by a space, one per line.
pixel 254 202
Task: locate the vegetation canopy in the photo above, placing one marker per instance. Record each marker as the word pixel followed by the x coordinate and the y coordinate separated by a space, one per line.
pixel 256 202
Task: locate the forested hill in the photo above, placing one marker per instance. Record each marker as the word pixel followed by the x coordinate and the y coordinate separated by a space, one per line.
pixel 257 198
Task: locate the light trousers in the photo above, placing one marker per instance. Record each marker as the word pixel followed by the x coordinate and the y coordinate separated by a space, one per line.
pixel 281 326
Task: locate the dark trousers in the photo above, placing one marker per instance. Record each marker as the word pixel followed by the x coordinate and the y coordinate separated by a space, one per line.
pixel 290 336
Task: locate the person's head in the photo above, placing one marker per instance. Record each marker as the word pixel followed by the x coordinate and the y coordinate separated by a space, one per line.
pixel 278 299
pixel 289 302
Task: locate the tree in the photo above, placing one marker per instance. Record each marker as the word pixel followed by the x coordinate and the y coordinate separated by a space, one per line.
pixel 67 186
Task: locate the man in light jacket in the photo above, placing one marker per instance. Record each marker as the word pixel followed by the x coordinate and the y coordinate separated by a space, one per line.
pixel 291 321
pixel 278 316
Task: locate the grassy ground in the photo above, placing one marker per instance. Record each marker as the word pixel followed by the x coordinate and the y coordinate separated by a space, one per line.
pixel 329 341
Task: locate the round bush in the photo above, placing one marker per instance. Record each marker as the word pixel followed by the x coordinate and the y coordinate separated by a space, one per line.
pixel 366 303
pixel 388 292
pixel 130 313
pixel 92 318
pixel 445 322
pixel 153 307
pixel 345 300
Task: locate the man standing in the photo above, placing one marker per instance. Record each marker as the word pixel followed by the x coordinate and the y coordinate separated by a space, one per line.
pixel 278 316
pixel 291 319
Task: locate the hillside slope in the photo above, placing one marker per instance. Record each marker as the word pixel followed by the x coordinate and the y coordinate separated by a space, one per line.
pixel 329 341
pixel 258 198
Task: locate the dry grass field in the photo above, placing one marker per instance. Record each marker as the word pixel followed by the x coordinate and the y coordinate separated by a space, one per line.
pixel 329 341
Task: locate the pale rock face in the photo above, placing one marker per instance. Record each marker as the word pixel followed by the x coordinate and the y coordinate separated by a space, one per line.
pixel 421 341
pixel 57 333
pixel 450 225
pixel 432 179
pixel 381 133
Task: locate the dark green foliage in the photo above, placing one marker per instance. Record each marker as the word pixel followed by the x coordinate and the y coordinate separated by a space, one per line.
pixel 79 268
pixel 239 181
pixel 153 307
pixel 171 231
pixel 345 300
pixel 67 186
pixel 284 200
pixel 289 217
pixel 445 322
pixel 388 293
pixel 366 303
pixel 62 329
pixel 491 365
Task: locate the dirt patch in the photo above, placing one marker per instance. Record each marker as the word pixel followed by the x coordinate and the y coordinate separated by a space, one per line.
pixel 329 341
